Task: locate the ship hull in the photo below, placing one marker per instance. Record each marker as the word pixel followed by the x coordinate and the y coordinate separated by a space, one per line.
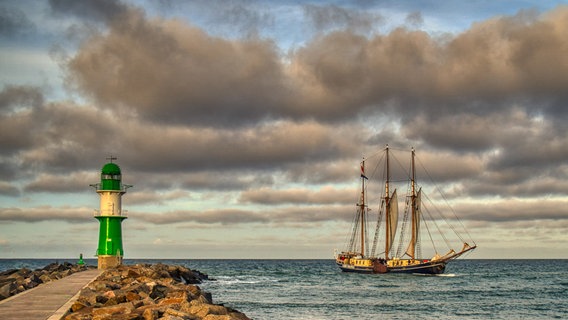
pixel 354 269
pixel 428 268
pixel 423 268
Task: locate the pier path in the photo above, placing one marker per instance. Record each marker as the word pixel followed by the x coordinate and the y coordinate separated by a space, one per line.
pixel 47 301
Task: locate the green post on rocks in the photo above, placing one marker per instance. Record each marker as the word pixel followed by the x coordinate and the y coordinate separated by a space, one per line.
pixel 110 215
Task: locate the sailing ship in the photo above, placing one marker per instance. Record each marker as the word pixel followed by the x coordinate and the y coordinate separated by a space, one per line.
pixel 407 256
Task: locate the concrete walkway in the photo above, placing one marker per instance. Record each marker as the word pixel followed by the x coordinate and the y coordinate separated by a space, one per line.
pixel 47 301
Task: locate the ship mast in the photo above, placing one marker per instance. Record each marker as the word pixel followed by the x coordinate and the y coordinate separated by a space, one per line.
pixel 413 212
pixel 387 208
pixel 362 208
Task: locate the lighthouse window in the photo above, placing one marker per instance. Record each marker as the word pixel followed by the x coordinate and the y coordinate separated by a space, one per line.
pixel 110 176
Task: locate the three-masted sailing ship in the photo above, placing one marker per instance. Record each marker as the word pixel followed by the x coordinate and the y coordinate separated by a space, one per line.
pixel 408 257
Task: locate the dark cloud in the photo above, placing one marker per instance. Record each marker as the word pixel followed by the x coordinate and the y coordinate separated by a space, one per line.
pixel 68 183
pixel 267 146
pixel 513 210
pixel 227 180
pixel 187 75
pixel 64 139
pixel 194 116
pixel 329 17
pixel 526 184
pixel 14 23
pixel 285 215
pixel 415 19
pixel 194 78
pixel 324 172
pixel 221 216
pixel 15 98
pixel 326 195
pixel 17 106
pixel 94 10
pixel 139 197
pixel 245 16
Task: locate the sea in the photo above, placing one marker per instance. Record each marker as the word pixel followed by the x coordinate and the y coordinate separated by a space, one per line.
pixel 317 289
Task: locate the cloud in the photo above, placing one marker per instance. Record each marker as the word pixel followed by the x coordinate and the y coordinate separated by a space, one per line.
pixel 191 77
pixel 222 216
pixel 13 98
pixel 513 210
pixel 186 73
pixel 14 23
pixel 268 146
pixel 415 19
pixel 284 216
pixel 55 145
pixel 329 17
pixel 273 137
pixel 8 189
pixel 47 213
pixel 154 197
pixel 62 183
pixel 100 10
pixel 326 195
pixel 248 17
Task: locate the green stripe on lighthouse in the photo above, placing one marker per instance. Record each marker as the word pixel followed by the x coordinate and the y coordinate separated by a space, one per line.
pixel 110 235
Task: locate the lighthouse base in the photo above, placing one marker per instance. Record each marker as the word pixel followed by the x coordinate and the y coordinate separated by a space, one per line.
pixel 109 262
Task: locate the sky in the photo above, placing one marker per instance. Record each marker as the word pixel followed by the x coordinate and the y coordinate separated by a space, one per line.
pixel 241 124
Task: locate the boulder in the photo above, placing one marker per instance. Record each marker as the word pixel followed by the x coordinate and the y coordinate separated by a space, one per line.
pixel 123 308
pixel 14 281
pixel 150 314
pixel 149 292
pixel 8 288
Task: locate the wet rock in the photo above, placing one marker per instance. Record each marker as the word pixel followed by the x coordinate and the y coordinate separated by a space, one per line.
pixel 14 281
pixel 150 314
pixel 7 288
pixel 150 292
pixel 78 305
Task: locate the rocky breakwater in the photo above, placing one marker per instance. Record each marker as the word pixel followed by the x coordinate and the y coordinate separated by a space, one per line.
pixel 14 281
pixel 149 292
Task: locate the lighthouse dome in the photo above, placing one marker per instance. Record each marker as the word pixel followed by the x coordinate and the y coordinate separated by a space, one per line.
pixel 111 177
pixel 111 169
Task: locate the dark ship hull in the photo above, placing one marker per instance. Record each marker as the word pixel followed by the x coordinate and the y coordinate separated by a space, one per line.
pixel 426 268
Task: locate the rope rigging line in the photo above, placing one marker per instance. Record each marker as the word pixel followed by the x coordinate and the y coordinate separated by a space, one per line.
pixel 444 219
pixel 438 228
pixel 449 206
pixel 354 232
pixel 402 237
pixel 431 238
pixel 377 228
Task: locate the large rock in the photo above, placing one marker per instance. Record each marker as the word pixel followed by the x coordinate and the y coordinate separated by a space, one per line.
pixel 14 281
pixel 7 288
pixel 149 292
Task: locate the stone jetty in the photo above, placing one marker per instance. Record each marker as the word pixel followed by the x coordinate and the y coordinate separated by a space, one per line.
pixel 15 281
pixel 149 292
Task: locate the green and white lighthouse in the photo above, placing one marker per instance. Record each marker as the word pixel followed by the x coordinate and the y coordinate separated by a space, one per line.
pixel 110 215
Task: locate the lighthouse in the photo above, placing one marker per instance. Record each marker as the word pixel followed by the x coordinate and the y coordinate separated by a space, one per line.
pixel 110 215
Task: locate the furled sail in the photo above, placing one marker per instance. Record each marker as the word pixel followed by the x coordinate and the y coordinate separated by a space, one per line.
pixel 416 225
pixel 393 218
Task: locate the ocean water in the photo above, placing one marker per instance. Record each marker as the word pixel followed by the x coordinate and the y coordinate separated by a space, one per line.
pixel 317 289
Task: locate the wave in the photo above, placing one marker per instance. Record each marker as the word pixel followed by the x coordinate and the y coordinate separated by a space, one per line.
pixel 447 275
pixel 227 280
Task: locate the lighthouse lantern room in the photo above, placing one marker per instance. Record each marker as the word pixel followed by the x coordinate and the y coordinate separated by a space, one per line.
pixel 110 215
